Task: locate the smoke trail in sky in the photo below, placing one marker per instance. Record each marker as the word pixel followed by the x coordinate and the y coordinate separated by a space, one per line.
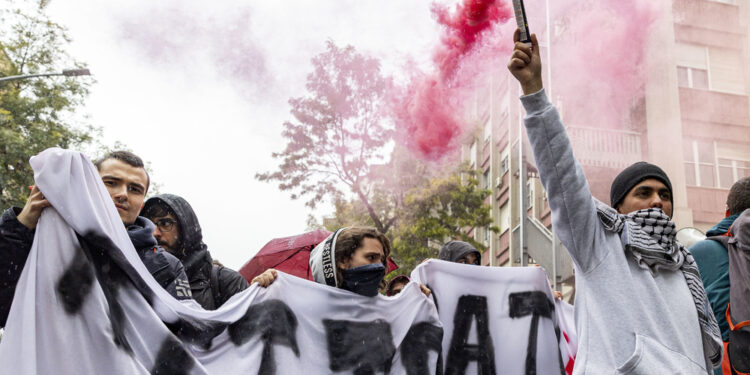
pixel 179 37
pixel 598 65
pixel 427 109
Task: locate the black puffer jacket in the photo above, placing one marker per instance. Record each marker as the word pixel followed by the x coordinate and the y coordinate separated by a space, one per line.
pixel 211 285
pixel 15 245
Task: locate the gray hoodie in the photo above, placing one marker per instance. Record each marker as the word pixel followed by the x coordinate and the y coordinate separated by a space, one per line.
pixel 629 321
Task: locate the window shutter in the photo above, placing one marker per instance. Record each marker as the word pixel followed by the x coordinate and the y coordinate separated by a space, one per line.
pixel 726 71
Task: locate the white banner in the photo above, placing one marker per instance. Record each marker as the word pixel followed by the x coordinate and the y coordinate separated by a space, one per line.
pixel 85 304
pixel 496 320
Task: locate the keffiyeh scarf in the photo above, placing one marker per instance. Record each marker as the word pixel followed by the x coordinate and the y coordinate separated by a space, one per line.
pixel 649 237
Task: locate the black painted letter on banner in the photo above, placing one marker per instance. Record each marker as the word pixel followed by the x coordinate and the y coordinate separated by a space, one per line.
pixel 362 347
pixel 415 349
pixel 536 304
pixel 274 322
pixel 471 308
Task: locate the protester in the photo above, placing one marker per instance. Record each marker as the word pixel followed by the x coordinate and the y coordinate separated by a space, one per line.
pixel 351 258
pixel 641 307
pixel 127 181
pixel 396 285
pixel 178 231
pixel 460 252
pixel 713 259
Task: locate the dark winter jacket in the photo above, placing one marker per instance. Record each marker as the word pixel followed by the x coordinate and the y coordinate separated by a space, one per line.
pixel 210 291
pixel 452 251
pixel 16 241
pixel 713 263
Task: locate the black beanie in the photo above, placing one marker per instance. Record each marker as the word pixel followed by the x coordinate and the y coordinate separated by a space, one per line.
pixel 633 175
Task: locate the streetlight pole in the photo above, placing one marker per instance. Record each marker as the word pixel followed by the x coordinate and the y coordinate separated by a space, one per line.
pixel 65 72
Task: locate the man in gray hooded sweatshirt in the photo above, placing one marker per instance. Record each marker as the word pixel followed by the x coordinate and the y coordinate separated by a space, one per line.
pixel 640 306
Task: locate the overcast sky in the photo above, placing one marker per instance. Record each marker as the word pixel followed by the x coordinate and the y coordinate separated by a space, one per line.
pixel 199 89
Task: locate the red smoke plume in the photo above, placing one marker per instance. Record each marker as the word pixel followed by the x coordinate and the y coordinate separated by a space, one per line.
pixel 427 110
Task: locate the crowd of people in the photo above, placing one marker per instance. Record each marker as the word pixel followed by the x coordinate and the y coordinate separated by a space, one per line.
pixel 644 304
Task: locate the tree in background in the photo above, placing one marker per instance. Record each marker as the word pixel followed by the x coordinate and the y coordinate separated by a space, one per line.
pixel 440 209
pixel 340 131
pixel 35 114
pixel 447 208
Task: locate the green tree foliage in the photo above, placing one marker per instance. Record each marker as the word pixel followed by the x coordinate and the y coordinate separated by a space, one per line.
pixel 447 208
pixel 438 210
pixel 35 114
pixel 340 130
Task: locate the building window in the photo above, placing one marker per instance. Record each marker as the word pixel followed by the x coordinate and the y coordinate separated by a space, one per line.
pixel 710 68
pixel 473 154
pixel 487 236
pixel 504 166
pixel 730 171
pixel 693 78
pixel 486 180
pixel 700 163
pixel 529 194
pixel 488 130
pixel 692 66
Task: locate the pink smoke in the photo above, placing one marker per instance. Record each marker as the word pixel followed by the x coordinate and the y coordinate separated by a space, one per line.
pixel 598 59
pixel 427 110
pixel 178 38
pixel 598 70
pixel 463 28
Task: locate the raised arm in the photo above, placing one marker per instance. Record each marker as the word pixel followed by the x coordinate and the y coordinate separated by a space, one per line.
pixel 574 216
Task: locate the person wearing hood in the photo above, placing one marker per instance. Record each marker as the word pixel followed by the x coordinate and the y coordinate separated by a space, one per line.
pixel 178 231
pixel 460 252
pixel 640 305
pixel 125 177
pixel 351 258
pixel 713 259
pixel 396 285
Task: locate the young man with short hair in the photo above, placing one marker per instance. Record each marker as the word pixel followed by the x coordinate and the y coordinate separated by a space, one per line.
pixel 640 304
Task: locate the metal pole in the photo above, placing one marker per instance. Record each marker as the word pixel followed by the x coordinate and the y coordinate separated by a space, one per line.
pixel 549 54
pixel 65 72
pixel 522 180
pixel 26 76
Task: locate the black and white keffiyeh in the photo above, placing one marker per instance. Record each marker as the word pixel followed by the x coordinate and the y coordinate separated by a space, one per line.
pixel 648 235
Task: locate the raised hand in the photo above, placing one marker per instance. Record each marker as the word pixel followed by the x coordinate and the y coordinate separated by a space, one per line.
pixel 526 65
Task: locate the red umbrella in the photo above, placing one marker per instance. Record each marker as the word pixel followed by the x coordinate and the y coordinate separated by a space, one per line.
pixel 290 255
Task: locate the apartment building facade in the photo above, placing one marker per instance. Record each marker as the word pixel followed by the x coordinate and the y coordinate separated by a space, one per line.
pixel 694 122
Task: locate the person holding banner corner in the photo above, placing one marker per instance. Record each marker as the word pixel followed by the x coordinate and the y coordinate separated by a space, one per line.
pixel 351 258
pixel 640 306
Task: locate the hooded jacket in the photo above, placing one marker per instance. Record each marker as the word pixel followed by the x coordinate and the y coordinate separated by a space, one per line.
pixel 713 263
pixel 452 251
pixel 195 256
pixel 15 246
pixel 323 261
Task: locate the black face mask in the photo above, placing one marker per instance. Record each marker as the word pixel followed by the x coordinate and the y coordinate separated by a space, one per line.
pixel 364 280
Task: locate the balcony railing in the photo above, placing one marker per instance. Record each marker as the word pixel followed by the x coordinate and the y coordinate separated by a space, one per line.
pixel 605 147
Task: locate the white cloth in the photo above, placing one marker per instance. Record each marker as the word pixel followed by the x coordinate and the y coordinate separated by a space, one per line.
pixel 488 317
pixel 85 304
pixel 566 318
